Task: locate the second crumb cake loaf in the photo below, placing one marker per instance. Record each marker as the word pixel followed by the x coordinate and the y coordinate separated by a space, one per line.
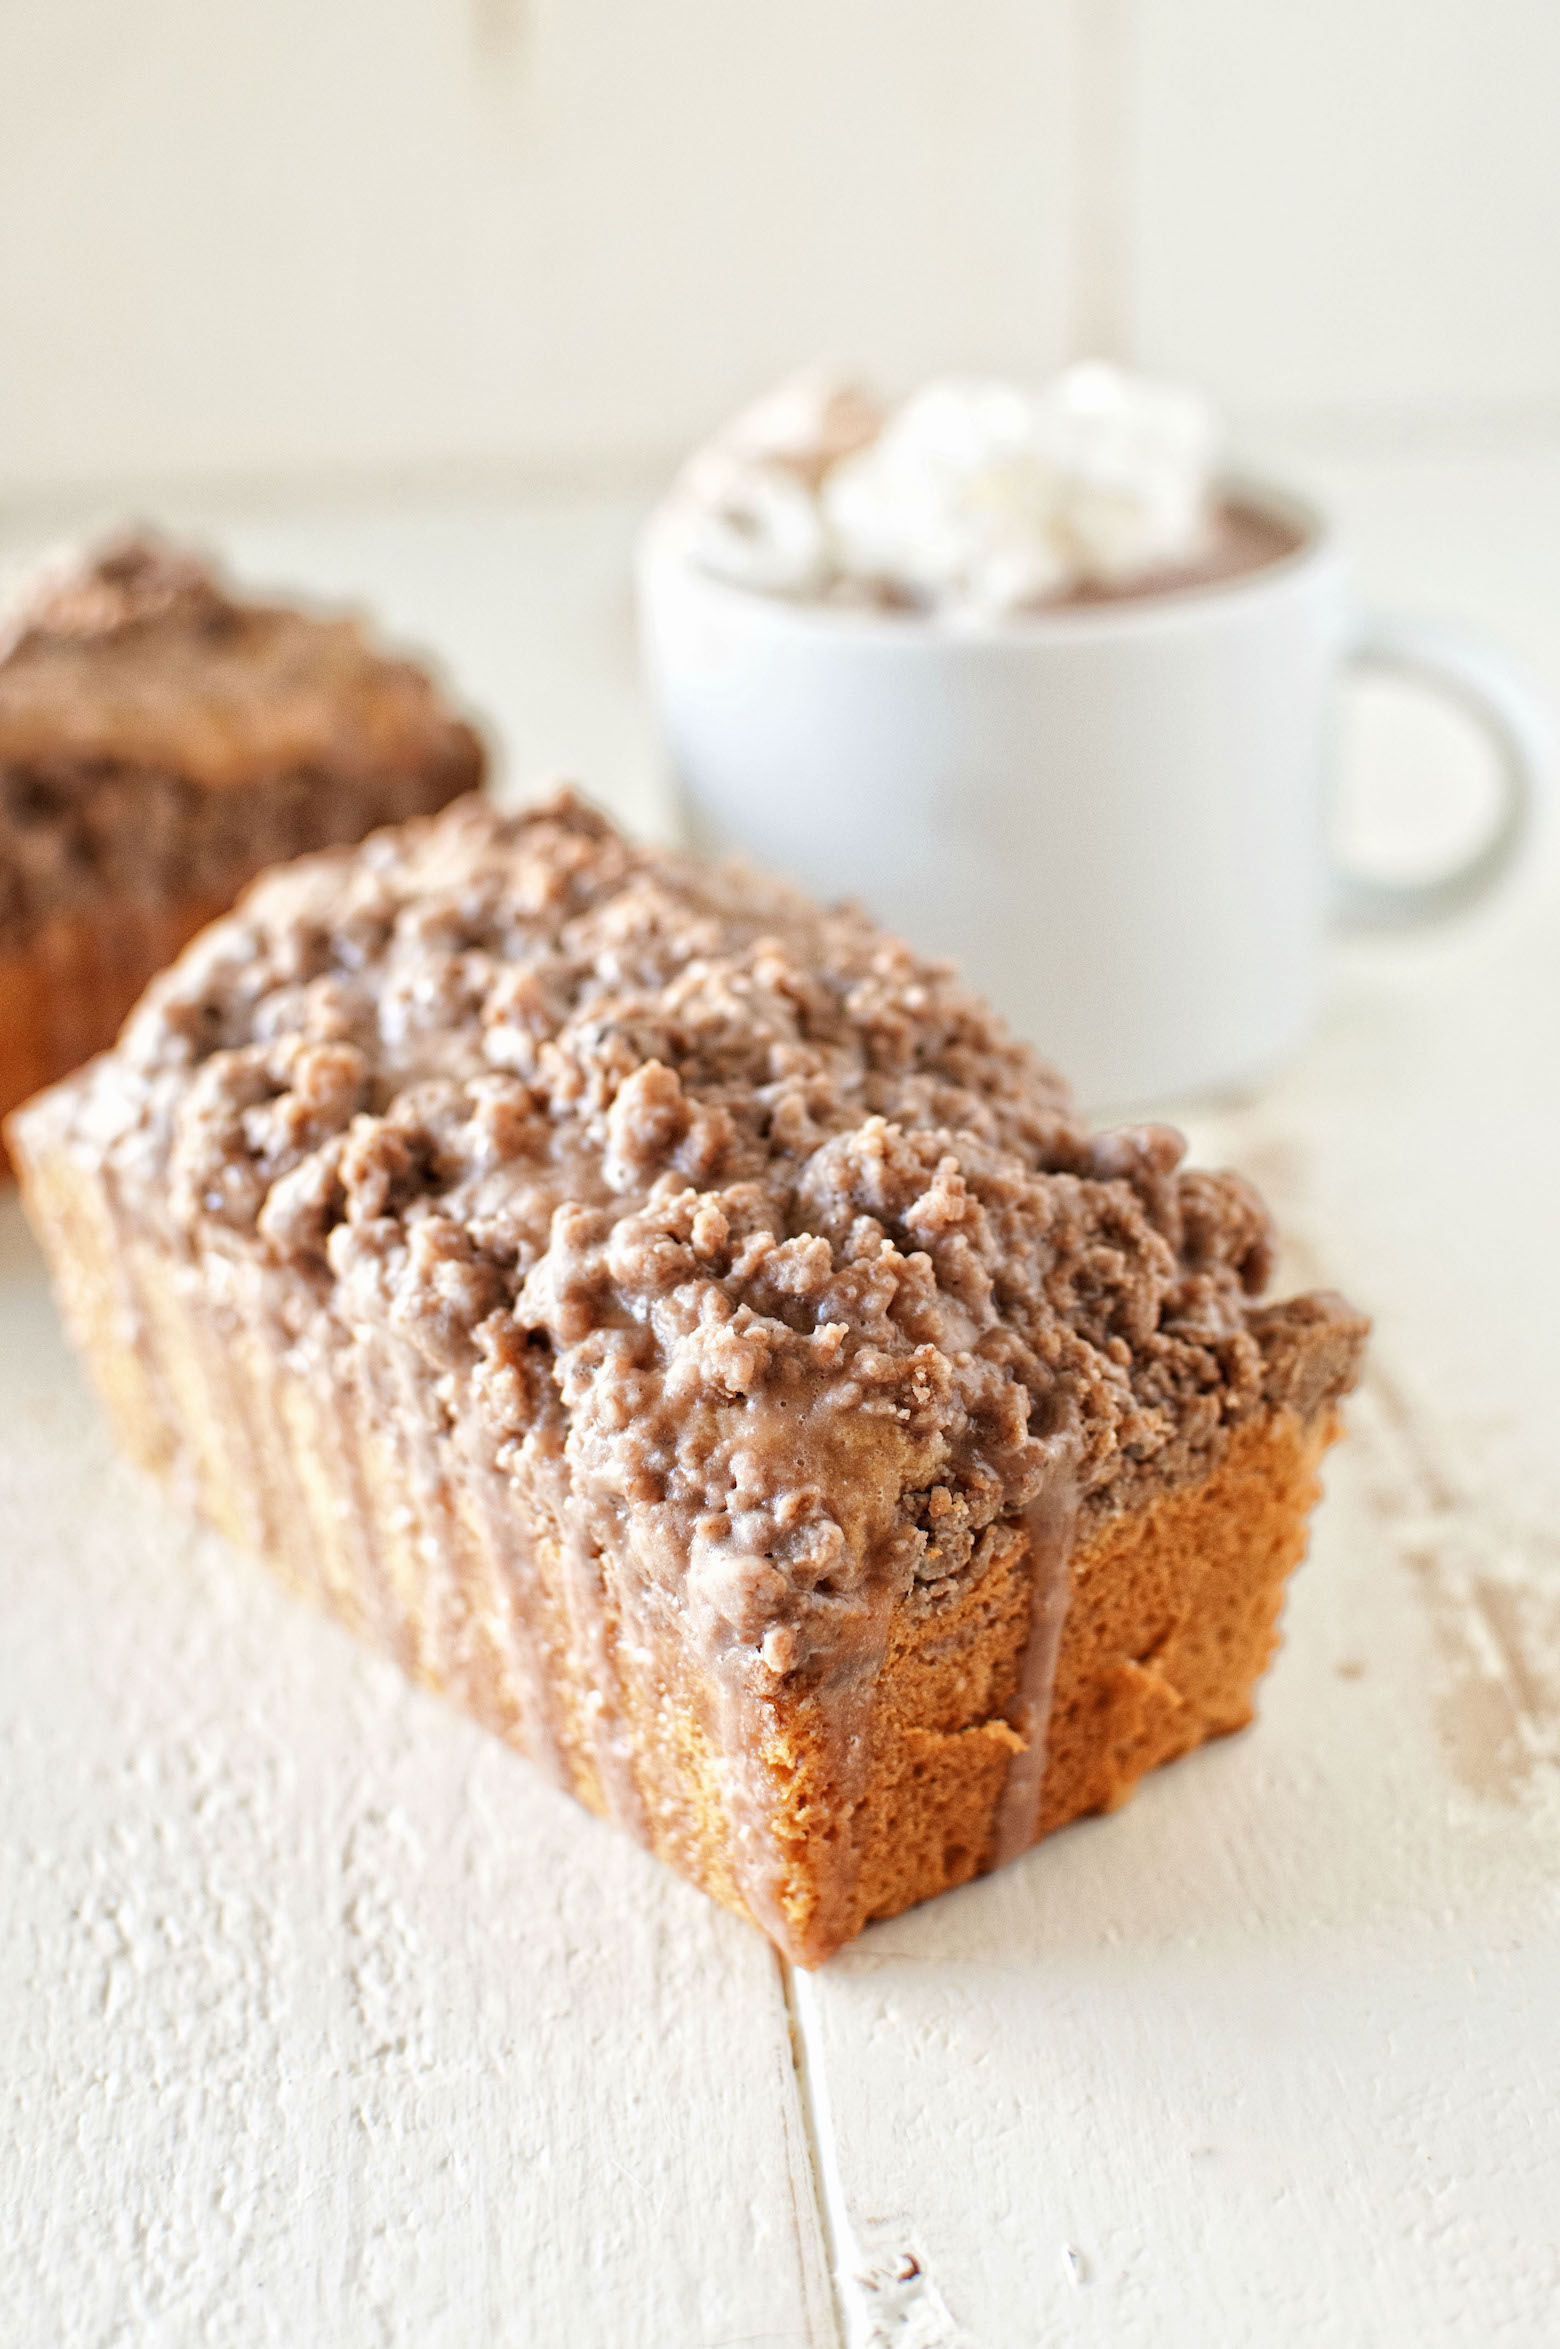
pixel 686 1328
pixel 161 741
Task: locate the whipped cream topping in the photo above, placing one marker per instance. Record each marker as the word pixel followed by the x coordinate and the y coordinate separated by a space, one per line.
pixel 973 497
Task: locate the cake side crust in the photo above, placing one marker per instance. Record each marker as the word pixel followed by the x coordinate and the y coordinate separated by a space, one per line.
pixel 1171 1620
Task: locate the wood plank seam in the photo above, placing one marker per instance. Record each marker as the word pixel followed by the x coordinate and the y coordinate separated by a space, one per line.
pixel 885 2294
pixel 822 2156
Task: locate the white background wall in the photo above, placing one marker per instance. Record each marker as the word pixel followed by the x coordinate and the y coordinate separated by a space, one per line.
pixel 300 238
pixel 1350 204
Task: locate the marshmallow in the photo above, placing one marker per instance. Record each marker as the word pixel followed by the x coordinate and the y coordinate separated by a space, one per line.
pixel 973 498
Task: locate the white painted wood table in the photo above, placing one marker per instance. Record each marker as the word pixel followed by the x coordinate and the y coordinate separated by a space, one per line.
pixel 324 2021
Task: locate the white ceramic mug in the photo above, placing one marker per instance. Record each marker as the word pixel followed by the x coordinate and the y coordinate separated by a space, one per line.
pixel 1112 816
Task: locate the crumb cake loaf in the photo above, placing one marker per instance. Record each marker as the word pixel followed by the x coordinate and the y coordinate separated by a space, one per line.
pixel 684 1327
pixel 160 743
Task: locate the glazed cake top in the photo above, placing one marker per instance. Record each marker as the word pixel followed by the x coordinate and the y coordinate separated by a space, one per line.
pixel 138 654
pixel 725 1189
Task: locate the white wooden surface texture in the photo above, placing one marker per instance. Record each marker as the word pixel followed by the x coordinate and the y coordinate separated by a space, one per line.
pixel 324 2022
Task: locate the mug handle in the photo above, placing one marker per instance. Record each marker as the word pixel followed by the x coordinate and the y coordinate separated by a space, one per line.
pixel 1454 662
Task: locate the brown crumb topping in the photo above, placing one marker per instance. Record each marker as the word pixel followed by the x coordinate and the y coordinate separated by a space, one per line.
pixel 163 739
pixel 140 654
pixel 708 1187
pixel 132 582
